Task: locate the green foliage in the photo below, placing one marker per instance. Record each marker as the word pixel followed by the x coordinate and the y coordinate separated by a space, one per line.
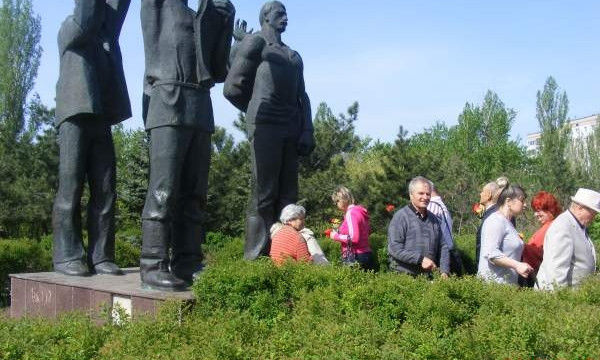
pixel 28 178
pixel 127 254
pixel 20 52
pixel 26 155
pixel 26 255
pixel 131 148
pixel 465 245
pixel 228 184
pixel 459 160
pixel 19 256
pixel 594 231
pixel 586 161
pixel 327 166
pixel 220 248
pixel 71 337
pixel 554 172
pixel 256 310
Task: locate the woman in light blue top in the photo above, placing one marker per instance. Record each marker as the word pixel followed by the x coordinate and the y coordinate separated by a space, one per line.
pixel 501 245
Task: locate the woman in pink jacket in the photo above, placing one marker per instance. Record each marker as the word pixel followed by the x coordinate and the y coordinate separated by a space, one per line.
pixel 353 233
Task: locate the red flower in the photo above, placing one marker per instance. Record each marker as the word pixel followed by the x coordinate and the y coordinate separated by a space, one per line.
pixel 478 210
pixel 327 232
pixel 390 208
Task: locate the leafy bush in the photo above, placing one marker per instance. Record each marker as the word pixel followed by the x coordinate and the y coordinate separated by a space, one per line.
pixel 594 230
pixel 256 310
pixel 25 256
pixel 19 256
pixel 127 254
pixel 70 337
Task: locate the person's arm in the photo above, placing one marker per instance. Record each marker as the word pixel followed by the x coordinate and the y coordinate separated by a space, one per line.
pixel 306 141
pixel 80 27
pixel 240 31
pixel 352 221
pixel 220 53
pixel 492 236
pixel 150 14
pixel 302 253
pixel 116 17
pixel 397 242
pixel 521 268
pixel 240 80
pixel 342 234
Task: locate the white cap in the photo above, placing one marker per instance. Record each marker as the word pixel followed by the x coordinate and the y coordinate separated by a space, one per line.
pixel 588 198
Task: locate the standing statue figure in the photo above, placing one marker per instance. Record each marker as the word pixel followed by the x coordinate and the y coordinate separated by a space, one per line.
pixel 266 81
pixel 91 95
pixel 186 54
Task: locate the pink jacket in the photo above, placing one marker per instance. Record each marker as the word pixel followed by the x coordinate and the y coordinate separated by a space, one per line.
pixel 356 227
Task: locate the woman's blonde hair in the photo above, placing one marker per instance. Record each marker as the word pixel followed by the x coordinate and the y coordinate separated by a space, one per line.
pixel 344 194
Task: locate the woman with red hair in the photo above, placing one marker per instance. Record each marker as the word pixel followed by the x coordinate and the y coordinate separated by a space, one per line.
pixel 546 208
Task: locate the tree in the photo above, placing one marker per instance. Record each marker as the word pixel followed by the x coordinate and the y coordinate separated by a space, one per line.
pixel 333 136
pixel 133 162
pixel 28 177
pixel 554 171
pixel 325 168
pixel 228 183
pixel 20 53
pixel 24 180
pixel 585 157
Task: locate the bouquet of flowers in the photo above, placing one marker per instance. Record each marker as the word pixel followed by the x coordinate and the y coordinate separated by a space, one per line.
pixel 478 210
pixel 335 223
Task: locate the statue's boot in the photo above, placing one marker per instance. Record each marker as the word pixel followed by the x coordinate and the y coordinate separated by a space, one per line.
pixel 258 236
pixel 188 237
pixel 154 262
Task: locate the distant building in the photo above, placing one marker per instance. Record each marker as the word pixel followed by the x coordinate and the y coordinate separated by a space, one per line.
pixel 580 129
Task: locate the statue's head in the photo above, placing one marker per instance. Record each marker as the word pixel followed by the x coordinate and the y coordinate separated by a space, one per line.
pixel 273 14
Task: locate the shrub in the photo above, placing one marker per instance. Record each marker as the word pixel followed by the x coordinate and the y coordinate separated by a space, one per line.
pixel 255 310
pixel 20 256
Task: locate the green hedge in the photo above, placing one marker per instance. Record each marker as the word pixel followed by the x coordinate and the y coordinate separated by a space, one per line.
pixel 255 310
pixel 20 256
pixel 26 255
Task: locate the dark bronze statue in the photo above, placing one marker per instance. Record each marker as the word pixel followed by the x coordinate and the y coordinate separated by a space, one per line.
pixel 186 54
pixel 266 81
pixel 91 95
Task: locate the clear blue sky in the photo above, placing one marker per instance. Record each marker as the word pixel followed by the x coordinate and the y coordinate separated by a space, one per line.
pixel 408 63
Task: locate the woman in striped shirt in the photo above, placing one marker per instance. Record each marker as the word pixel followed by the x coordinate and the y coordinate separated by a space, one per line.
pixel 286 240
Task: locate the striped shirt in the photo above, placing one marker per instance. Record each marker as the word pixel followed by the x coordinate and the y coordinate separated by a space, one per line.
pixel 439 209
pixel 287 243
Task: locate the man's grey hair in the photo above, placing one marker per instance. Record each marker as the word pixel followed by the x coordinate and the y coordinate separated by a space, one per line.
pixel 292 212
pixel 266 9
pixel 418 180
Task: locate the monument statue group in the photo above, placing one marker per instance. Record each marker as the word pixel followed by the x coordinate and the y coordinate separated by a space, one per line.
pixel 186 53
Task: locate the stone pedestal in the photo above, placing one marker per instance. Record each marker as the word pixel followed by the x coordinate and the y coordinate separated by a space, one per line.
pixel 49 294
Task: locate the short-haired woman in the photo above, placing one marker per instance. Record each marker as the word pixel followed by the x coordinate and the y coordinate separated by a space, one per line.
pixel 286 241
pixel 353 233
pixel 546 208
pixel 501 245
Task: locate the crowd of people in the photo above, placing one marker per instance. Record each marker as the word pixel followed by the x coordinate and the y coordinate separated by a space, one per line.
pixel 420 241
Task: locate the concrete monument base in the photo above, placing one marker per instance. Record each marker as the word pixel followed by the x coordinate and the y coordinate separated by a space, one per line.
pixel 50 294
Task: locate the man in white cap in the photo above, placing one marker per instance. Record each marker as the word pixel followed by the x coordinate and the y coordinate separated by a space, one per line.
pixel 569 253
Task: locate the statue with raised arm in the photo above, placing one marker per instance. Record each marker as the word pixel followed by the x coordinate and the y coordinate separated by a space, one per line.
pixel 266 82
pixel 91 95
pixel 186 53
